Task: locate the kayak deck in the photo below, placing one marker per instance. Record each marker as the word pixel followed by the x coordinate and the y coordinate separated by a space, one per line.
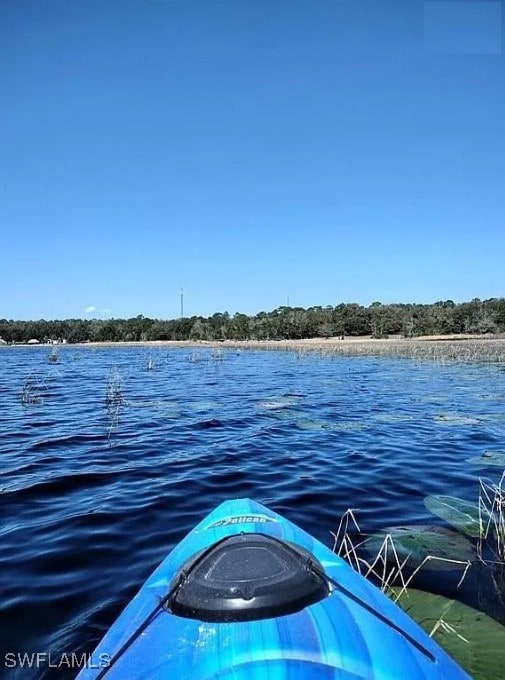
pixel 352 632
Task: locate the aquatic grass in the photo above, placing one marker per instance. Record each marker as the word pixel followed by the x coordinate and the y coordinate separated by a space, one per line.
pixel 217 354
pixel 442 350
pixel 53 356
pixel 386 568
pixel 32 391
pixel 418 541
pixel 389 573
pixel 447 628
pixel 449 622
pixel 483 521
pixel 114 401
pixel 113 393
pixel 492 519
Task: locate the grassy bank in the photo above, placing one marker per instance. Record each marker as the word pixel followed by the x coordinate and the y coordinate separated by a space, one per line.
pixel 489 348
pixel 441 348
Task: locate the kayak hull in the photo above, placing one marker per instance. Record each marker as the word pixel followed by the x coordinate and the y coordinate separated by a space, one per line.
pixel 353 633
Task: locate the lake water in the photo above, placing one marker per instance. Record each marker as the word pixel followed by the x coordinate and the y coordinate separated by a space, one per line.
pixel 93 496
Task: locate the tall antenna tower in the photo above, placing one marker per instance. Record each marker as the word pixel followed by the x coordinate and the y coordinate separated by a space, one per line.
pixel 182 303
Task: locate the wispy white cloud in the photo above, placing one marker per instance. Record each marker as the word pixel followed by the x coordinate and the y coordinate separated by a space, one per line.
pixel 90 309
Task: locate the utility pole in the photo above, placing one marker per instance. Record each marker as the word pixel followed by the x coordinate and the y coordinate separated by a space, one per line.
pixel 182 303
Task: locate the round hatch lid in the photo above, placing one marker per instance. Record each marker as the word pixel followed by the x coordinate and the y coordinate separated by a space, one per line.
pixel 246 577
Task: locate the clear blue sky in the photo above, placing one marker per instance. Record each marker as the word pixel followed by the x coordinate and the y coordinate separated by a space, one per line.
pixel 250 151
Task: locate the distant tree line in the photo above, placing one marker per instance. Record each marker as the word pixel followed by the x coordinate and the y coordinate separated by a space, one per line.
pixel 377 320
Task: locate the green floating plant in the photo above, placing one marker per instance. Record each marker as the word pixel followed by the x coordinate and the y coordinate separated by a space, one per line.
pixel 432 547
pixel 279 402
pixel 472 639
pixel 460 514
pixel 342 426
pixel 455 419
pixel 494 458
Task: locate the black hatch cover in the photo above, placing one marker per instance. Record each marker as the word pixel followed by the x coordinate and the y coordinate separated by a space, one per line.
pixel 246 577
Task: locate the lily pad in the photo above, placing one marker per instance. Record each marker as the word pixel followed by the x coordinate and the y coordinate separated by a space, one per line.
pixel 202 406
pixel 283 414
pixel 460 514
pixel 344 425
pixel 416 543
pixel 393 417
pixel 283 401
pixel 482 651
pixel 434 398
pixel 347 425
pixel 169 409
pixel 496 458
pixel 308 424
pixel 455 419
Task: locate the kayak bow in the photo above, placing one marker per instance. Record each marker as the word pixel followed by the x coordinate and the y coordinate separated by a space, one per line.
pixel 247 595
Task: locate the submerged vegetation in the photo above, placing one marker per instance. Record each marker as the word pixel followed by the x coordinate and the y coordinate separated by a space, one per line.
pixel 285 323
pixel 394 558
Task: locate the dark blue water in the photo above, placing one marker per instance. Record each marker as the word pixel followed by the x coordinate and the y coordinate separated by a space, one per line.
pixel 93 496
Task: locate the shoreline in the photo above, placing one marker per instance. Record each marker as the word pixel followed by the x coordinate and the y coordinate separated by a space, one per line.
pixel 488 348
pixel 468 348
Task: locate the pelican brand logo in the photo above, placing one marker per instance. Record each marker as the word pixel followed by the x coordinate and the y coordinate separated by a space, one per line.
pixel 241 519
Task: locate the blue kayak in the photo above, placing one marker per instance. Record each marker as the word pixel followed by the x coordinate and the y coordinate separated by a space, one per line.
pixel 247 595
